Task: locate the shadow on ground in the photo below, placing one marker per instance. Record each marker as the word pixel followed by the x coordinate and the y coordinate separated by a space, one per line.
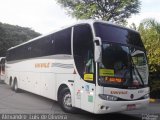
pixel 82 115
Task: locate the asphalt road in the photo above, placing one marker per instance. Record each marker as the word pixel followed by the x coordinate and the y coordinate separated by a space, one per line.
pixel 28 103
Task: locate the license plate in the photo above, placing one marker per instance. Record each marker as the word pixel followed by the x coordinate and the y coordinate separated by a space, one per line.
pixel 131 106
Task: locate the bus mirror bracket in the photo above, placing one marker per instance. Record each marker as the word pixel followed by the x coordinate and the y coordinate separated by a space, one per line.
pixel 97 49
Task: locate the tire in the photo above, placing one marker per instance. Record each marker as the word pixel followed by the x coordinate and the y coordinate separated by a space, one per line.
pixel 65 101
pixel 15 86
pixel 12 85
pixel 10 81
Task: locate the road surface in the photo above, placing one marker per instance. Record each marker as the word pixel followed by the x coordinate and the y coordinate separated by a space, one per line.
pixel 38 107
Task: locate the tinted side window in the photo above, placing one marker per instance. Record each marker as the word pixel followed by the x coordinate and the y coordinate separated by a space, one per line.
pixel 21 52
pixel 41 47
pixel 62 42
pixel 56 43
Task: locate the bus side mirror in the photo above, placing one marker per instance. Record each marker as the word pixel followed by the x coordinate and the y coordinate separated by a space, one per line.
pixel 97 49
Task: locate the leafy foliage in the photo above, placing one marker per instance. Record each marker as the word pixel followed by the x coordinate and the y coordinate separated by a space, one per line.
pixel 109 10
pixel 13 35
pixel 155 88
pixel 150 33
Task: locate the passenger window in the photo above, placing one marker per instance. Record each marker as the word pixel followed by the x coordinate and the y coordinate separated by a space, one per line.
pixel 62 42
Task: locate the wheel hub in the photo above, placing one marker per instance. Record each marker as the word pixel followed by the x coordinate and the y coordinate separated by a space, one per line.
pixel 67 100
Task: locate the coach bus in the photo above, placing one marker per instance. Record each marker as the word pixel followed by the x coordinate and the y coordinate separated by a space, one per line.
pixel 93 65
pixel 2 68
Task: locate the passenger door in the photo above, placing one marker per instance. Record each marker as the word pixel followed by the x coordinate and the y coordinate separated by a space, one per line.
pixel 83 53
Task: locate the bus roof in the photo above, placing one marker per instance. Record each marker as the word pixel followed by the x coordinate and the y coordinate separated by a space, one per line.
pixel 77 23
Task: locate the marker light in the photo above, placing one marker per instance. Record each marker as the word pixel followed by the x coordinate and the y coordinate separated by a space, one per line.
pixel 91 93
pixel 81 91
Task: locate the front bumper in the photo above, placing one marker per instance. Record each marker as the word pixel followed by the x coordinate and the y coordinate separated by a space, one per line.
pixel 103 106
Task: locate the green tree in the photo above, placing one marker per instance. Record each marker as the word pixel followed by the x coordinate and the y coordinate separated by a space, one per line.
pixel 11 35
pixel 150 33
pixel 110 10
pixel 133 26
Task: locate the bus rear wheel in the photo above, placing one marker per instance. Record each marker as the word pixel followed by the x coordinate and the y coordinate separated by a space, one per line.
pixel 15 86
pixel 65 101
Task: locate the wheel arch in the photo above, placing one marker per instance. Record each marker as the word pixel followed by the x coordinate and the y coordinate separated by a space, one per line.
pixel 66 85
pixel 62 86
pixel 61 89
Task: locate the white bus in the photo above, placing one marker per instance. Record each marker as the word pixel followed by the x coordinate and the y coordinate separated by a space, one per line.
pixel 92 65
pixel 2 68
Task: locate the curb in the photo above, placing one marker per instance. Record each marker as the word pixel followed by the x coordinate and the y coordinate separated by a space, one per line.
pixel 151 100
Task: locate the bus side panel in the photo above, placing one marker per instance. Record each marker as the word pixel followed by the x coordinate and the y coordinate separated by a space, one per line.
pixel 39 76
pixel 39 83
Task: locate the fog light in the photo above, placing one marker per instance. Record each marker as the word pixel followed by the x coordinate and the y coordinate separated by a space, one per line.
pixel 107 107
pixel 102 107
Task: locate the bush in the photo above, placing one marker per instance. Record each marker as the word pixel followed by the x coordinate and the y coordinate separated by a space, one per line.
pixel 154 84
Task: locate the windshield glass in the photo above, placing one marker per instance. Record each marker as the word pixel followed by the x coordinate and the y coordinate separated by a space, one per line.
pixel 122 66
pixel 140 65
pixel 116 34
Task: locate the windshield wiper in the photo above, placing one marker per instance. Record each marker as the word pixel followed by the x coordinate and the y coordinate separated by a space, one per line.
pixel 134 66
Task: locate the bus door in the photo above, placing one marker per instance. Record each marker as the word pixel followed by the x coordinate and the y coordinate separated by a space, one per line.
pixel 85 92
pixel 83 52
pixel 85 86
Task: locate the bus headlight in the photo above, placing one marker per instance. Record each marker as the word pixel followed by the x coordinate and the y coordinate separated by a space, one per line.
pixel 108 97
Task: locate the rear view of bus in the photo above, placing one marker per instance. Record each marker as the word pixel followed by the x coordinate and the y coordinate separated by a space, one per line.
pixel 122 80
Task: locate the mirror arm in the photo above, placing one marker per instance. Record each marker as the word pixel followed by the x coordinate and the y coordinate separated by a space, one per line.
pixel 97 49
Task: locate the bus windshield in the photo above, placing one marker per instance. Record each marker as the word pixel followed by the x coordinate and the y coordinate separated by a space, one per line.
pixel 115 34
pixel 124 62
pixel 123 66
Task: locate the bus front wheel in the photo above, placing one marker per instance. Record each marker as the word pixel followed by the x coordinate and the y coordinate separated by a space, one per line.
pixel 65 100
